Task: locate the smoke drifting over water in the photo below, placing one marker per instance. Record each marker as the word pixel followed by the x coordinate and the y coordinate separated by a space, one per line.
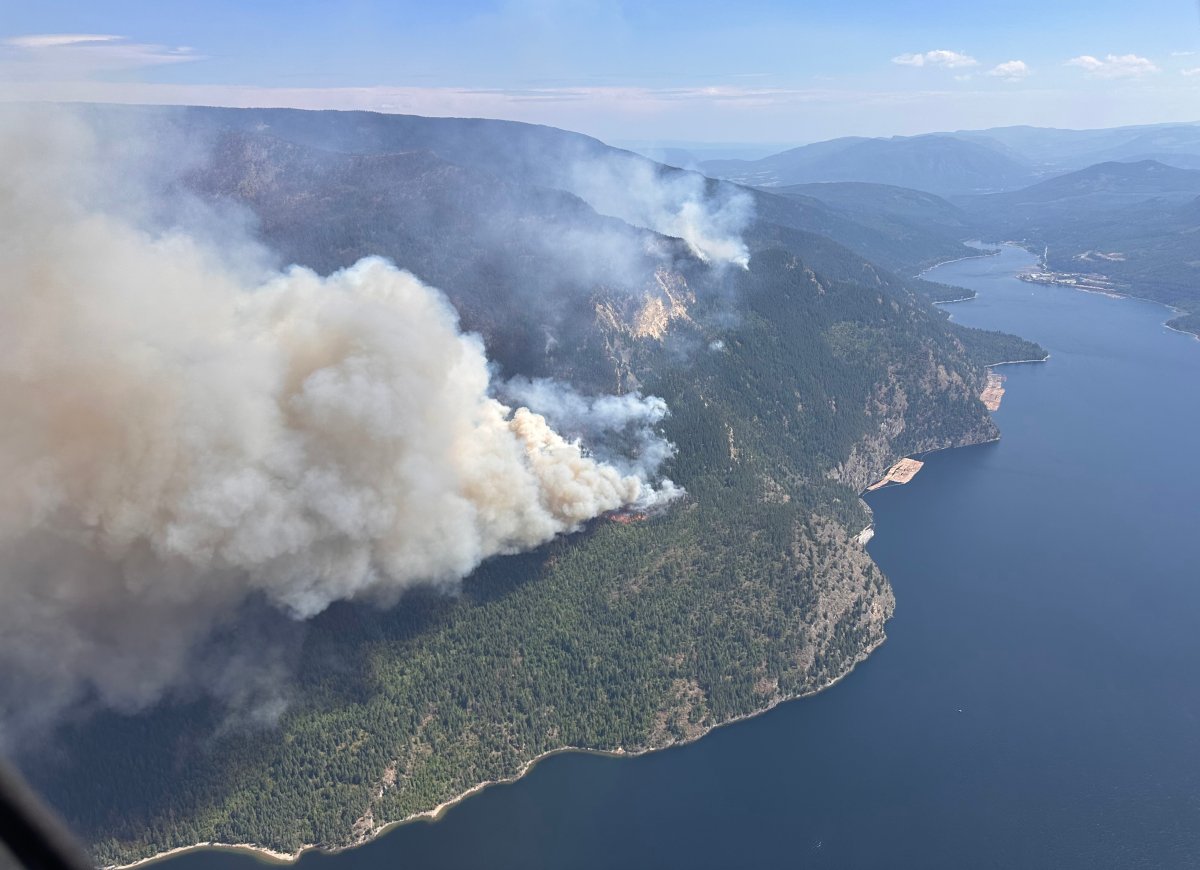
pixel 178 439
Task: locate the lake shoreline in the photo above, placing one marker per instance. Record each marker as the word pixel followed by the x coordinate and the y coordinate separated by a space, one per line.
pixel 1189 333
pixel 982 253
pixel 1119 294
pixel 267 855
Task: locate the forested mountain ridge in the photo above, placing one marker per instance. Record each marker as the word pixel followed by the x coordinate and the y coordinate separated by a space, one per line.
pixel 792 384
pixel 1107 183
pixel 901 229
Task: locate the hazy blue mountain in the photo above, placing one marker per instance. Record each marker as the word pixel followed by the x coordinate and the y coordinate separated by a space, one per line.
pixel 939 163
pixel 689 155
pixel 1103 185
pixel 1053 149
pixel 769 170
pixel 964 161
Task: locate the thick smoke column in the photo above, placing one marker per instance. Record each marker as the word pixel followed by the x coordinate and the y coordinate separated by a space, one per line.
pixel 177 440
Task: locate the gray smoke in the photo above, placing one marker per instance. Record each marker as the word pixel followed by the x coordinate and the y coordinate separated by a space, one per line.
pixel 179 438
pixel 709 216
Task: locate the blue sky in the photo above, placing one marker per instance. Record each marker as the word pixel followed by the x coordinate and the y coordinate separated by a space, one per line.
pixel 681 71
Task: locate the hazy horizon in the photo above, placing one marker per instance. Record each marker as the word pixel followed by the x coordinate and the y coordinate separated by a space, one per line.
pixel 763 73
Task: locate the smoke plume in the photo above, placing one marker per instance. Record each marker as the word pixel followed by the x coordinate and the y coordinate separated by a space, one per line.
pixel 179 438
pixel 620 430
pixel 709 216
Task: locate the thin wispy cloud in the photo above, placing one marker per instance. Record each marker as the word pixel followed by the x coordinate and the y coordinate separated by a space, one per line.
pixel 1011 70
pixel 939 57
pixel 563 106
pixel 1114 66
pixel 1192 71
pixel 439 101
pixel 82 55
pixel 55 40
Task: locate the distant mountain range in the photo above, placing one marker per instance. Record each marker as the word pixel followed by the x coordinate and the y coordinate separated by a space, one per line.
pixel 1054 150
pixel 965 162
pixel 937 163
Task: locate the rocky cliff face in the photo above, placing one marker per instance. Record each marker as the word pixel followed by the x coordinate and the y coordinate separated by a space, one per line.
pixel 900 429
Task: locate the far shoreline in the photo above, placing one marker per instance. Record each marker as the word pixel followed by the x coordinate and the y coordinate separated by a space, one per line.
pixel 983 252
pixel 1111 294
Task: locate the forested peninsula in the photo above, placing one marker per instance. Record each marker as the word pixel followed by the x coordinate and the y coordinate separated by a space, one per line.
pixel 792 384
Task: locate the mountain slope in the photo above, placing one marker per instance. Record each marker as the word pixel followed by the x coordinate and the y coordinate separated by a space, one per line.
pixel 1102 183
pixel 900 229
pixel 490 242
pixel 529 153
pixel 517 155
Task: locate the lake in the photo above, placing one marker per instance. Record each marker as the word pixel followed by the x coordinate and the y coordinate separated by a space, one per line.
pixel 1037 703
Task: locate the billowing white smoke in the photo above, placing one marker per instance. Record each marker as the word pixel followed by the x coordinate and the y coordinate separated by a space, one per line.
pixel 709 216
pixel 620 430
pixel 177 440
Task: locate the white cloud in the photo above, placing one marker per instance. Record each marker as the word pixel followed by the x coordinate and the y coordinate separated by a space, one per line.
pixel 1193 71
pixel 1184 53
pixel 1114 66
pixel 939 57
pixel 1010 70
pixel 949 58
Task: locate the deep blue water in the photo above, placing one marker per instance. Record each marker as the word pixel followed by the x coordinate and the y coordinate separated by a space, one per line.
pixel 1037 703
